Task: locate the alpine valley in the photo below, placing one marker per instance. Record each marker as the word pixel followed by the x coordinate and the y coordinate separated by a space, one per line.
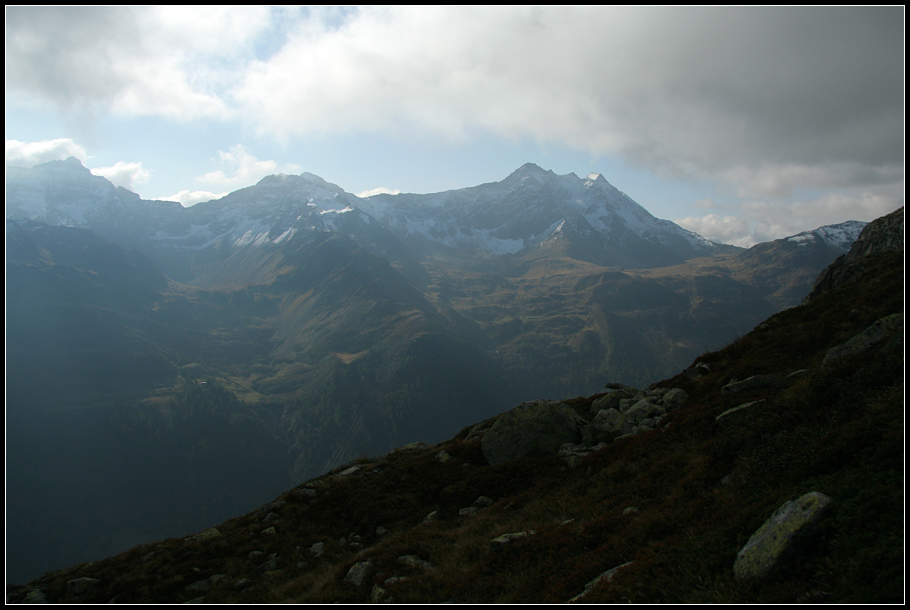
pixel 170 367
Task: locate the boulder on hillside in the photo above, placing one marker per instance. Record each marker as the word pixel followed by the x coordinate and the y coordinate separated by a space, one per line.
pixel 612 399
pixel 607 425
pixel 780 535
pixel 890 327
pixel 755 382
pixel 540 427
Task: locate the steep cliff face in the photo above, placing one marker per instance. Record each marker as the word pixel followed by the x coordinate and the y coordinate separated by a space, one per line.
pixel 885 234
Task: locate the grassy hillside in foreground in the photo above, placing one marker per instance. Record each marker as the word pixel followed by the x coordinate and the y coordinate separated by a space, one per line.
pixel 699 490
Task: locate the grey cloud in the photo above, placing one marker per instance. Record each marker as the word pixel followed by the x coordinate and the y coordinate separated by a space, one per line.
pixel 68 54
pixel 744 85
pixel 134 61
pixel 684 91
pixel 708 92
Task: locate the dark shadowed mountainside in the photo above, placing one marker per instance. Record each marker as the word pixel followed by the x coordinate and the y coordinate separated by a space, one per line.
pixel 792 434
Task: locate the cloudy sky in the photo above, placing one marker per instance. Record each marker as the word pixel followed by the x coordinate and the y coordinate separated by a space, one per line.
pixel 742 124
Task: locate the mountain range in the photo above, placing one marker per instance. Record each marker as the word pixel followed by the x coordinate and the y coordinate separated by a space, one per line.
pixel 768 471
pixel 168 367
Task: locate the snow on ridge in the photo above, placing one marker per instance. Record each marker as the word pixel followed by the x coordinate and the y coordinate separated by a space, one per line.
pixel 459 218
pixel 343 211
pixel 279 206
pixel 839 236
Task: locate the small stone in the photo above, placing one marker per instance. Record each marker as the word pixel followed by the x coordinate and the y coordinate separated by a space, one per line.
pixel 78 586
pixel 358 572
pixel 317 549
pixel 483 501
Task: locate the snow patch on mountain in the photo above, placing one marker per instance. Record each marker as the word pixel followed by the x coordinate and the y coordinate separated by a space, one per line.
pixel 840 236
pixel 508 217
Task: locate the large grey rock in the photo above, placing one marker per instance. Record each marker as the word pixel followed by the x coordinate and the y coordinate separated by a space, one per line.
pixel 739 414
pixel 78 586
pixel 358 572
pixel 607 425
pixel 535 428
pixel 501 542
pixel 755 382
pixel 697 371
pixel 884 328
pixel 780 535
pixel 674 398
pixel 641 410
pixel 212 532
pixel 612 399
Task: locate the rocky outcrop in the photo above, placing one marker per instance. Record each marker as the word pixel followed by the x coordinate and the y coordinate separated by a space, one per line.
pixel 548 428
pixel 882 235
pixel 780 535
pixel 633 413
pixel 890 328
pixel 540 427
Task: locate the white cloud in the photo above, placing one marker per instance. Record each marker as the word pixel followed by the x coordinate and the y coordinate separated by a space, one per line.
pixel 190 198
pixel 243 169
pixel 28 154
pixel 685 91
pixel 173 62
pixel 381 190
pixel 724 229
pixel 766 100
pixel 127 175
pixel 756 221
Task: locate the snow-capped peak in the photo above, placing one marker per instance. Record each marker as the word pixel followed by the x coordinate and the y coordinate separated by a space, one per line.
pixel 840 236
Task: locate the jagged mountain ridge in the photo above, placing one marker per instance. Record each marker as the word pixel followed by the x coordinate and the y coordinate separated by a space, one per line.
pixel 529 209
pixel 886 234
pixel 533 208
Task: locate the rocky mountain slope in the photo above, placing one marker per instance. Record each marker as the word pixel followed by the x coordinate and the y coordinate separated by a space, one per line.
pixel 534 211
pixel 667 494
pixel 288 311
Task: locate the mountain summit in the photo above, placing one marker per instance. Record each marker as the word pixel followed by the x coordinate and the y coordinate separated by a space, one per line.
pixel 534 209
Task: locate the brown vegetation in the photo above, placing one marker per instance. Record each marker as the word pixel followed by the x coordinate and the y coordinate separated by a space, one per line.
pixel 699 490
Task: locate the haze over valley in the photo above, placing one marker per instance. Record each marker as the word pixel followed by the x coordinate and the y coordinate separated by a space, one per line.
pixel 169 367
